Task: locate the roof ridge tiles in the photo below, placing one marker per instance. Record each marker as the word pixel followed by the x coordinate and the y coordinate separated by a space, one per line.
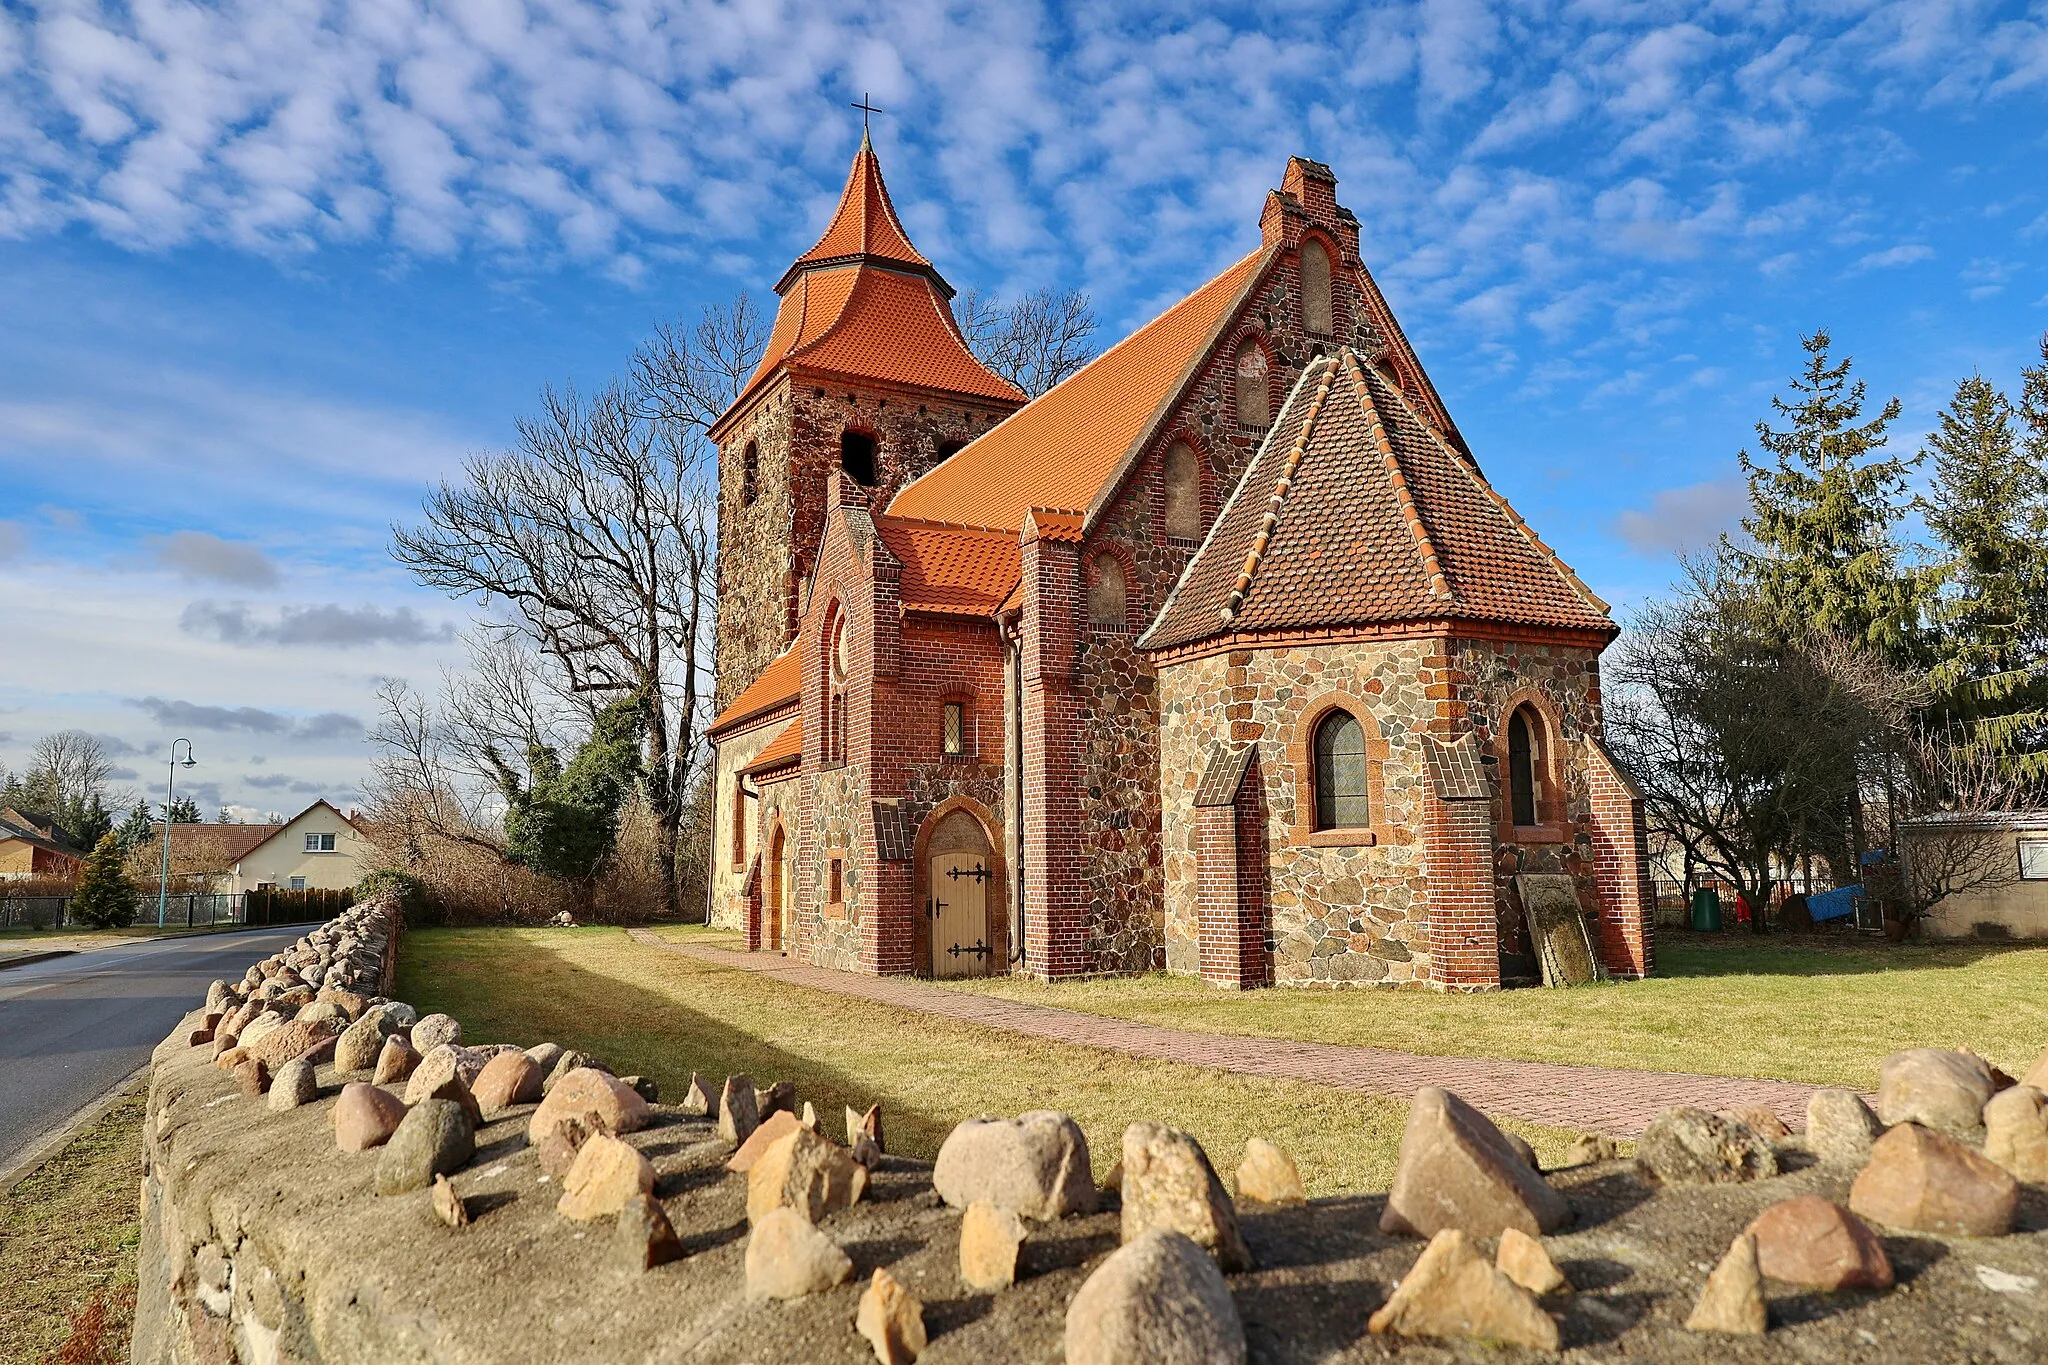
pixel 1471 471
pixel 1404 498
pixel 1281 486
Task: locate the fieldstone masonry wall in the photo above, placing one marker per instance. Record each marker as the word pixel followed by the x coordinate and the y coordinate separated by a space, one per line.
pixel 266 1241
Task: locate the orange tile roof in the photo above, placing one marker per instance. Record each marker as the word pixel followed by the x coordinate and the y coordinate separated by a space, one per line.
pixel 780 683
pixel 1059 450
pixel 959 570
pixel 234 842
pixel 786 747
pixel 1355 512
pixel 864 304
pixel 865 223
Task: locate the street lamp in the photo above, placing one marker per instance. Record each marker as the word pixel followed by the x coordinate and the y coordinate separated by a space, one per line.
pixel 163 887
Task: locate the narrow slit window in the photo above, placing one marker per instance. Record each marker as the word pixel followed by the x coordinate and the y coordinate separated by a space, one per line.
pixel 1523 758
pixel 954 729
pixel 1316 312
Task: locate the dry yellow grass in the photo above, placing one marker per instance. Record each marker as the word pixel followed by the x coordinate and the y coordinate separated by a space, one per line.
pixel 662 1015
pixel 1824 1011
pixel 67 1234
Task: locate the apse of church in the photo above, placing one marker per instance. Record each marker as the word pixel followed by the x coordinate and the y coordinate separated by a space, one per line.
pixel 1221 657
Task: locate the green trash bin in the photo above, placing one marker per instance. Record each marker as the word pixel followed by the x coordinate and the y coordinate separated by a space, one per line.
pixel 1706 910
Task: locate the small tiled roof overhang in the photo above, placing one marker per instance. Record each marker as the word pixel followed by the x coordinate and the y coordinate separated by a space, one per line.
pixel 955 570
pixel 1356 512
pixel 786 750
pixel 864 224
pixel 780 685
pixel 1063 447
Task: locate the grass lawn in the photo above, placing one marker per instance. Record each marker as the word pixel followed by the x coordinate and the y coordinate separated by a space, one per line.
pixel 661 1015
pixel 67 1241
pixel 1814 1009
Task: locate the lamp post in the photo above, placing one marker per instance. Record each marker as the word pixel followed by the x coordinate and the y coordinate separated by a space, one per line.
pixel 163 887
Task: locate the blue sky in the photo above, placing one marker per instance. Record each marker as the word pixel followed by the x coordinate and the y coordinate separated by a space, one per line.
pixel 267 269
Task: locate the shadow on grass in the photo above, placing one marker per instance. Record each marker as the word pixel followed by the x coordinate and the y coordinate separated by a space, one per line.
pixel 632 1030
pixel 1738 953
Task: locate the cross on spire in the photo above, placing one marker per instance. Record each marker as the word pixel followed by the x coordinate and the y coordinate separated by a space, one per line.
pixel 866 109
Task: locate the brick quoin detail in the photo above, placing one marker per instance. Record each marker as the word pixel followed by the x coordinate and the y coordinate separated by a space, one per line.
pixel 1621 870
pixel 1055 877
pixel 1458 838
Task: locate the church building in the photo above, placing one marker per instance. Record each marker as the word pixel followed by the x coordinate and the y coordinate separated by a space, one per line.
pixel 1222 657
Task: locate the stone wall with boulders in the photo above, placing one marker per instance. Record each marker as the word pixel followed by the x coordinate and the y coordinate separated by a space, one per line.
pixel 396 1192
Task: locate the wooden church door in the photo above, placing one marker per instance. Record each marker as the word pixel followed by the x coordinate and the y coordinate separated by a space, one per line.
pixel 959 909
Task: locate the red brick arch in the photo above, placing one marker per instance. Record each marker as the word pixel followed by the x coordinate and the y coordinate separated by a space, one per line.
pixel 1549 766
pixel 998 882
pixel 1300 754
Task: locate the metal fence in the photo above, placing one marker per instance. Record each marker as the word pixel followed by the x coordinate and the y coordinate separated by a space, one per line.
pixel 196 910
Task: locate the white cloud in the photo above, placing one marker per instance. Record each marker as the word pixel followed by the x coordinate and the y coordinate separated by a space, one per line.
pixel 327 624
pixel 198 556
pixel 1906 253
pixel 1682 519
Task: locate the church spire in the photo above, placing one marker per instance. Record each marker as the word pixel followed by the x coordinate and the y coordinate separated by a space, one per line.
pixel 864 228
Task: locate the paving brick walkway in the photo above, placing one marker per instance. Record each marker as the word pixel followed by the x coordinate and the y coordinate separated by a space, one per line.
pixel 1587 1098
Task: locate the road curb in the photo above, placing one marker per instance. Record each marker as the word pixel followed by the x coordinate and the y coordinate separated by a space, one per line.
pixel 26 958
pixel 57 1139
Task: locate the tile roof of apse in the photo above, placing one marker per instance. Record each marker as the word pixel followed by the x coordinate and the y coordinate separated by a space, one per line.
pixel 1060 449
pixel 780 683
pixel 1355 512
pixel 960 570
pixel 864 304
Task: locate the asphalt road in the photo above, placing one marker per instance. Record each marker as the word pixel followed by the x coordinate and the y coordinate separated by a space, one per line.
pixel 72 1027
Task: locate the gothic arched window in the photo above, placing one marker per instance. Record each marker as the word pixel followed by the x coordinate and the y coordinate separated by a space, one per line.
pixel 1254 403
pixel 1525 766
pixel 1340 773
pixel 1106 593
pixel 1316 313
pixel 1183 481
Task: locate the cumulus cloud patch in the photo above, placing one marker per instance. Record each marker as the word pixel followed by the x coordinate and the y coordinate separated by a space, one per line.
pixel 329 624
pixel 203 558
pixel 280 782
pixel 328 725
pixel 1682 519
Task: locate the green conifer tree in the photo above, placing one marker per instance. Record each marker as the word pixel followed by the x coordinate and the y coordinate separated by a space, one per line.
pixel 1987 508
pixel 105 898
pixel 1822 506
pixel 563 820
pixel 136 827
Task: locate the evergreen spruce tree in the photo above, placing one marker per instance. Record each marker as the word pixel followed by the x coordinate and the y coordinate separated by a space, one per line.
pixel 1988 510
pixel 105 898
pixel 136 827
pixel 184 811
pixel 1823 501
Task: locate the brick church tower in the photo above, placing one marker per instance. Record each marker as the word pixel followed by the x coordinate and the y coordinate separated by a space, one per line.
pixel 866 372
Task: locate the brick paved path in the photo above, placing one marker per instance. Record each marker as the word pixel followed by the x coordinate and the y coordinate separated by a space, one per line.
pixel 1587 1098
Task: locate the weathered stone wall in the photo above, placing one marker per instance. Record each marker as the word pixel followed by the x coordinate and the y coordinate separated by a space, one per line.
pixel 1340 912
pixel 767 548
pixel 733 846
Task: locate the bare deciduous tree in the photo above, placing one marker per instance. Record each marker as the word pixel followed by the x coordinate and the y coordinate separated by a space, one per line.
pixel 690 376
pixel 1949 803
pixel 417 793
pixel 1747 746
pixel 1034 341
pixel 598 534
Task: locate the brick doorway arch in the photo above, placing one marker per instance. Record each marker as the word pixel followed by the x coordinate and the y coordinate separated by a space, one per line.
pixel 960 880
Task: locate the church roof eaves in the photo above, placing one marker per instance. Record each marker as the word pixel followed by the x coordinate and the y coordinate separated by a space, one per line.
pixel 780 684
